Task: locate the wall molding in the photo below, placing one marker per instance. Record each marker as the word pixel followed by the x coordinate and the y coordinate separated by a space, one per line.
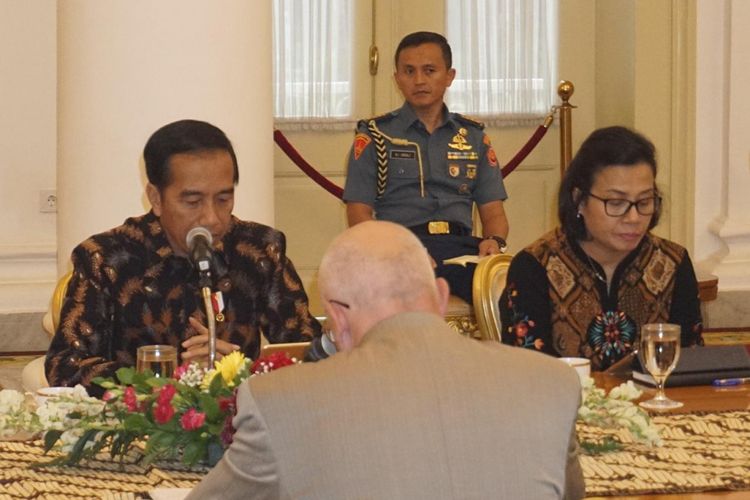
pixel 28 274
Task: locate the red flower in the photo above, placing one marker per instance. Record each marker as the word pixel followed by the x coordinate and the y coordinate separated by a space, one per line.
pixel 163 412
pixel 130 399
pixel 271 362
pixel 227 404
pixel 227 433
pixel 107 396
pixel 192 419
pixel 166 394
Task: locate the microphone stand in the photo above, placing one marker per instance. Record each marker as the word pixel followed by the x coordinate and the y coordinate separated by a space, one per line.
pixel 205 284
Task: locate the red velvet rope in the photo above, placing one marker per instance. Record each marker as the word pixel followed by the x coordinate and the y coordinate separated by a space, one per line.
pixel 525 150
pixel 313 174
pixel 293 154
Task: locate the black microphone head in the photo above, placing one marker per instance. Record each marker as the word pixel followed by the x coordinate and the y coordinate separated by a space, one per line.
pixel 199 241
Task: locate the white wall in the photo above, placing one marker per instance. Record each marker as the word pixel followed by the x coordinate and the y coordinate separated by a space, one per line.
pixel 28 68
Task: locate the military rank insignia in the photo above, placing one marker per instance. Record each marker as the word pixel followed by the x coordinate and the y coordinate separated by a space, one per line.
pixel 361 141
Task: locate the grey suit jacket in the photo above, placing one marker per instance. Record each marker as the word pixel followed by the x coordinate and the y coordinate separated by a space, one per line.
pixel 416 411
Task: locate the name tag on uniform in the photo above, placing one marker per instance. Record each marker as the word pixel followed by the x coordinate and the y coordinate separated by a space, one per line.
pixel 401 154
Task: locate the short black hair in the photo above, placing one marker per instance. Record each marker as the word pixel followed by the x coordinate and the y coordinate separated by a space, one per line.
pixel 183 136
pixel 422 37
pixel 604 148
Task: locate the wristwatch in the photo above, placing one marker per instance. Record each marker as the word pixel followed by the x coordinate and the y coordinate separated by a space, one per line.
pixel 500 242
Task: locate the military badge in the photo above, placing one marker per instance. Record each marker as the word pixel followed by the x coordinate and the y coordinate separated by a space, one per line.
pixel 463 189
pixel 471 171
pixel 459 142
pixel 454 170
pixel 463 131
pixel 361 141
pixel 491 156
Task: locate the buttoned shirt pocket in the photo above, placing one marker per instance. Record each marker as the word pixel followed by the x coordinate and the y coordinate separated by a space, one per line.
pixel 403 163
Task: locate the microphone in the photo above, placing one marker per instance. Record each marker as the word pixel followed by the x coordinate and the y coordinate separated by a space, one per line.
pixel 199 241
pixel 320 348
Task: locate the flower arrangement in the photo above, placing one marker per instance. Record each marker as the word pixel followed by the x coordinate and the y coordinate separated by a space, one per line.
pixel 615 411
pixel 186 417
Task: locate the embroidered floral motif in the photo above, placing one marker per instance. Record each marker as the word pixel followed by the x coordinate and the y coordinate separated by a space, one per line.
pixel 658 273
pixel 611 335
pixel 522 327
pixel 560 276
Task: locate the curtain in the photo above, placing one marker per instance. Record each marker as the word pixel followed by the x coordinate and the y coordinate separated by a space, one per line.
pixel 312 76
pixel 505 55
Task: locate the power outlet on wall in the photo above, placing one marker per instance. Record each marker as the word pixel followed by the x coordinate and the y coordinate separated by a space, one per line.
pixel 48 201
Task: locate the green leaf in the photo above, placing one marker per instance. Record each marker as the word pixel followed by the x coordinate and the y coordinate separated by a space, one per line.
pixel 125 375
pixel 217 384
pixel 50 438
pixel 194 452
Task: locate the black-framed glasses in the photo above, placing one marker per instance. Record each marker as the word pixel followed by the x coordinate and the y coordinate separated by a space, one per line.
pixel 617 207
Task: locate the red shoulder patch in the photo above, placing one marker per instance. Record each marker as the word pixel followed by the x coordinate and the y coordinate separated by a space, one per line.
pixel 491 156
pixel 361 141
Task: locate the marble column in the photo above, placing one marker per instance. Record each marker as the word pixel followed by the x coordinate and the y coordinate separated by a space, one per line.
pixel 723 142
pixel 127 67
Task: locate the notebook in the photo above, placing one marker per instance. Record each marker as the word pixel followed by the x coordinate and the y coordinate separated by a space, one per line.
pixel 703 365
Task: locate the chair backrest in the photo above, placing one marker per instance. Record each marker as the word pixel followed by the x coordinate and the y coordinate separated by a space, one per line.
pixel 57 298
pixel 488 285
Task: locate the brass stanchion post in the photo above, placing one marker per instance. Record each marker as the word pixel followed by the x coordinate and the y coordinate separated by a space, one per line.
pixel 565 90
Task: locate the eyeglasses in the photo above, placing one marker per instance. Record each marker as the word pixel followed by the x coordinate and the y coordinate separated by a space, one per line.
pixel 617 207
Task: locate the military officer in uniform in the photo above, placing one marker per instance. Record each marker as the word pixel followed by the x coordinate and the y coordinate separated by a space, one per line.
pixel 423 166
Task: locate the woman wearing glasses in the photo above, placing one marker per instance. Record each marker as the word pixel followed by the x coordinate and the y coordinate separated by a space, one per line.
pixel 586 288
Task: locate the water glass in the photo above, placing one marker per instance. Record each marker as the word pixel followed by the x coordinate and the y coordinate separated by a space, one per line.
pixel 659 352
pixel 160 359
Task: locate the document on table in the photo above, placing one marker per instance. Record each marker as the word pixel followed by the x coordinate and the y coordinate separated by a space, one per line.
pixel 462 260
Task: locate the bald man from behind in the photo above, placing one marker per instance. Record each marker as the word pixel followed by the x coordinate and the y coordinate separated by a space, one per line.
pixel 407 408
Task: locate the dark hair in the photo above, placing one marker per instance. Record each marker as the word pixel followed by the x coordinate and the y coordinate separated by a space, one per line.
pixel 184 136
pixel 604 148
pixel 422 37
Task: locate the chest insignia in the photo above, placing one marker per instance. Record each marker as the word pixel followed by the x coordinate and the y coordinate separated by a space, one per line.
pixel 400 154
pixel 454 170
pixel 471 171
pixel 459 141
pixel 463 155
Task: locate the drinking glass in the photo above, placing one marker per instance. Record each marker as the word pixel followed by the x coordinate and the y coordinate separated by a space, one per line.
pixel 659 352
pixel 160 359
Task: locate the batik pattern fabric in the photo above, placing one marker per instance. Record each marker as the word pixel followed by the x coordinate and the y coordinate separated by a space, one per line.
pixel 557 302
pixel 129 289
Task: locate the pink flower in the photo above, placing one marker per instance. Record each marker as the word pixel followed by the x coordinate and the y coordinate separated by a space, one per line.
pixel 107 396
pixel 130 399
pixel 163 412
pixel 180 371
pixel 192 419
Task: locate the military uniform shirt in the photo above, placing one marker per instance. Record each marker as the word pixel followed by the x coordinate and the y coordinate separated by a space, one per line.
pixel 129 289
pixel 458 164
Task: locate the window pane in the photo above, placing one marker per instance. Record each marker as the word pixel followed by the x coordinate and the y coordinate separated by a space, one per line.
pixel 312 59
pixel 505 55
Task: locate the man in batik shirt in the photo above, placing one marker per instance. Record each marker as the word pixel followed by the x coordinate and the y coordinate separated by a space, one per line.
pixel 135 285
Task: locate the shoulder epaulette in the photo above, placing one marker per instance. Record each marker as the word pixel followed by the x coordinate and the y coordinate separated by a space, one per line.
pixel 377 119
pixel 469 121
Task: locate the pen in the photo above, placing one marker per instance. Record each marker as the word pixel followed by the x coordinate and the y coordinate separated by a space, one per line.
pixel 725 382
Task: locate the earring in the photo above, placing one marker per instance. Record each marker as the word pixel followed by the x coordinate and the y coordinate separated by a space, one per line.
pixel 579 216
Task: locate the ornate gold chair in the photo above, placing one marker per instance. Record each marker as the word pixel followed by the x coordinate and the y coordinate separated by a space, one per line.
pixel 489 283
pixel 32 375
pixel 481 320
